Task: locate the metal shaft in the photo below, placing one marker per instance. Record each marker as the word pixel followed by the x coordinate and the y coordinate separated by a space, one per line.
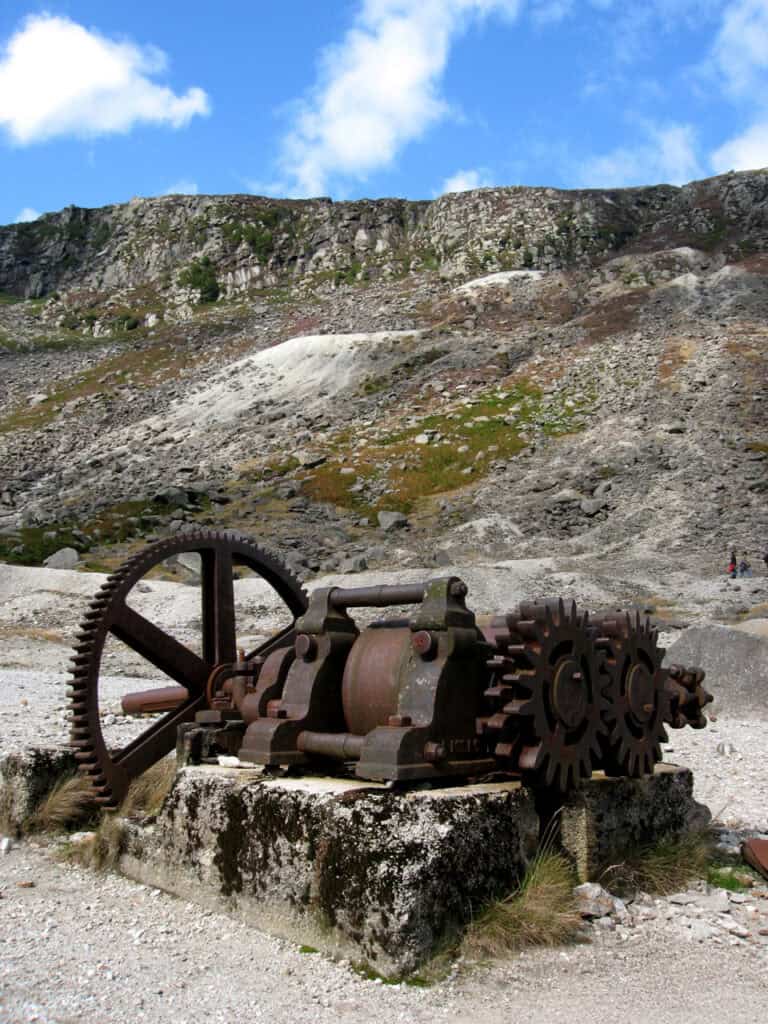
pixel 377 597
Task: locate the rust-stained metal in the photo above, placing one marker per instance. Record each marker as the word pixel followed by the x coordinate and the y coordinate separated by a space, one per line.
pixel 547 691
pixel 755 853
pixel 110 614
pixel 544 692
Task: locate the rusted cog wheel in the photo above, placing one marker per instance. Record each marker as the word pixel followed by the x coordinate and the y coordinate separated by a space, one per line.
pixel 636 692
pixel 548 677
pixel 687 697
pixel 110 614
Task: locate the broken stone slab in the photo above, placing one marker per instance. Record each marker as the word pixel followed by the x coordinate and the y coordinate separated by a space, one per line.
pixel 349 867
pixel 26 777
pixel 374 874
pixel 608 818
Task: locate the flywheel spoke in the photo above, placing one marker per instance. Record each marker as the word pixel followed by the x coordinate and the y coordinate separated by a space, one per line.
pixel 110 773
pixel 158 740
pixel 219 641
pixel 160 649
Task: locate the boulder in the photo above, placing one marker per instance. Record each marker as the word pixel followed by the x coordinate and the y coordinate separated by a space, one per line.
pixel 64 558
pixel 736 663
pixel 392 520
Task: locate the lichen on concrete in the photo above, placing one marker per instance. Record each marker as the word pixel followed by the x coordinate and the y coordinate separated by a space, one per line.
pixel 610 818
pixel 26 777
pixel 376 874
pixel 354 867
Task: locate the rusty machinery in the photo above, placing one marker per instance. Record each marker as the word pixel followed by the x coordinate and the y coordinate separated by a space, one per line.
pixel 545 692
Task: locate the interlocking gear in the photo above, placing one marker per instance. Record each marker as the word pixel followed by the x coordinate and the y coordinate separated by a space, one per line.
pixel 636 692
pixel 687 697
pixel 548 690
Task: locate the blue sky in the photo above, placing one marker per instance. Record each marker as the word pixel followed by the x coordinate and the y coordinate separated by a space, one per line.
pixel 100 102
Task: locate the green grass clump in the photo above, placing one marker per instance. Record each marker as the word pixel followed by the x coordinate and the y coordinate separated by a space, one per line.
pixel 471 438
pixel 542 911
pixel 665 868
pixel 31 545
pixel 725 877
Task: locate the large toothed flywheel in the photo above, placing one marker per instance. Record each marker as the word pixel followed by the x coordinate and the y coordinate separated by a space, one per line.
pixel 111 614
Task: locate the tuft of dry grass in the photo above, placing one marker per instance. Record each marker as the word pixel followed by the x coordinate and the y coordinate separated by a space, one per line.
pixel 542 911
pixel 7 825
pixel 70 802
pixel 101 850
pixel 664 868
pixel 147 793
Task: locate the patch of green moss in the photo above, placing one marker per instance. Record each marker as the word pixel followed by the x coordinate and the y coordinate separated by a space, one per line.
pixel 201 275
pixel 33 544
pixel 465 442
pixel 724 878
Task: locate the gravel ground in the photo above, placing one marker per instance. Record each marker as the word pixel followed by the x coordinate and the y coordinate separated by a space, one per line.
pixel 33 709
pixel 82 947
pixel 76 946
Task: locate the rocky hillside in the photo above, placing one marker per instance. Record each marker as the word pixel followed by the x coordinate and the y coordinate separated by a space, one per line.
pixel 500 373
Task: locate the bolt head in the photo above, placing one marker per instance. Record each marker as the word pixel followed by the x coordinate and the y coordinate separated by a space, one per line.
pixel 424 643
pixel 306 647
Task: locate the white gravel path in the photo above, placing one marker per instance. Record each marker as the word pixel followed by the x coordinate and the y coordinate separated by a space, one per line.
pixel 98 948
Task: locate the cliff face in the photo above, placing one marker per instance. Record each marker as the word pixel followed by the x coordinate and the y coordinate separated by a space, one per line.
pixel 252 242
pixel 518 370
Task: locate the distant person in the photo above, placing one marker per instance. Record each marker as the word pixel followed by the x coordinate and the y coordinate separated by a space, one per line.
pixel 744 567
pixel 733 558
pixel 732 568
pixel 765 559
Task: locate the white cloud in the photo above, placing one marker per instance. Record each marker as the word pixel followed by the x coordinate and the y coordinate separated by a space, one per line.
pixel 58 78
pixel 378 88
pixel 185 187
pixel 741 48
pixel 745 152
pixel 739 59
pixel 26 215
pixel 667 154
pixel 465 181
pixel 546 12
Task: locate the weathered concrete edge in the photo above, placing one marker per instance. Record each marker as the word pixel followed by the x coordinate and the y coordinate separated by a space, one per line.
pixel 26 778
pixel 372 874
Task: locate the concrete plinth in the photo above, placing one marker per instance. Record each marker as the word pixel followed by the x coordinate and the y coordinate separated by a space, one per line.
pixel 379 876
pixel 26 777
pixel 348 867
pixel 607 819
